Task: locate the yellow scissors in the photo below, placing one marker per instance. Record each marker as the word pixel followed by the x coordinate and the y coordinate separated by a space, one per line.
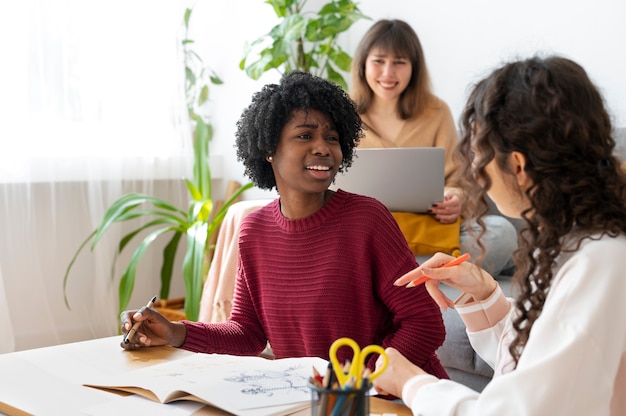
pixel 357 365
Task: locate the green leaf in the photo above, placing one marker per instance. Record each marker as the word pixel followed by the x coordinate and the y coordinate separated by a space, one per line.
pixel 330 8
pixel 127 283
pixel 195 210
pixel 291 29
pixel 341 59
pixel 288 51
pixel 177 215
pixel 215 80
pixel 118 209
pixel 336 77
pixel 190 76
pixel 280 7
pixel 321 34
pixel 193 190
pixel 259 67
pixel 193 264
pixel 202 173
pixel 333 25
pixel 205 210
pixel 194 56
pixel 353 17
pixel 167 267
pixel 186 18
pixel 193 267
pixel 221 213
pixel 69 267
pixel 178 224
pixel 203 97
pixel 312 61
pixel 278 58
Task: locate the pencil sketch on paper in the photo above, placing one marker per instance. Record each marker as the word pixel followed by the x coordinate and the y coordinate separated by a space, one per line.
pixel 267 380
pixel 253 383
pixel 287 381
pixel 233 383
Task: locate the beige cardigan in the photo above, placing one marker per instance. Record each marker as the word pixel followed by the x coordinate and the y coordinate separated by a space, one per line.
pixel 433 128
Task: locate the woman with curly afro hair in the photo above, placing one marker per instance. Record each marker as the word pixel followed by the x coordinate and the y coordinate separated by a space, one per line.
pixel 314 265
pixel 538 140
pixel 259 128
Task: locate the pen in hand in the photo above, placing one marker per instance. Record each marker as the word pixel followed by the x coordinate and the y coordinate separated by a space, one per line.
pixel 454 262
pixel 131 332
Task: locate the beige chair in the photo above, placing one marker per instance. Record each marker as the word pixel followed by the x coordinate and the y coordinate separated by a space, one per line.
pixel 217 295
pixel 173 309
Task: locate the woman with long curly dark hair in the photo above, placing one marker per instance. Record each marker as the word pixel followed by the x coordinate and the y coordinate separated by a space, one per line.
pixel 538 140
pixel 314 265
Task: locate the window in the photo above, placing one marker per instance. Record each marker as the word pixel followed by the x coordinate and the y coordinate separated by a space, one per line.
pixel 91 85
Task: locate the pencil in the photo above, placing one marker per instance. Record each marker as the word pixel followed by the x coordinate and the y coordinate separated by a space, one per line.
pixel 331 398
pixel 131 332
pixel 341 399
pixel 318 377
pixel 454 262
pixel 323 395
pixel 327 380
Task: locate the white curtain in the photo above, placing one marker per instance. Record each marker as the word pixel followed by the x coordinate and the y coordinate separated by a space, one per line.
pixel 91 107
pixel 7 342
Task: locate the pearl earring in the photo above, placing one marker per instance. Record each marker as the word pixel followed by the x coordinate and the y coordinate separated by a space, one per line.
pixel 270 158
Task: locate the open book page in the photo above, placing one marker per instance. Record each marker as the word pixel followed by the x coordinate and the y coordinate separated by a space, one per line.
pixel 239 385
pixel 137 405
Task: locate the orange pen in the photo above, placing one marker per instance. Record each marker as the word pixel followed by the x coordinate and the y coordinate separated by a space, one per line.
pixel 454 262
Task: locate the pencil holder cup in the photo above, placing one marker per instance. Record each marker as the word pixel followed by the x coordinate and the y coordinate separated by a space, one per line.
pixel 340 402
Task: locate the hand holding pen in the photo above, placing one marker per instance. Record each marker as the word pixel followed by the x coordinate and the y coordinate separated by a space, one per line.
pixel 455 272
pixel 133 330
pixel 421 277
pixel 146 327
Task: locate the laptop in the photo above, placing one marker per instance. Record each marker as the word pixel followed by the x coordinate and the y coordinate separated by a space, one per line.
pixel 405 179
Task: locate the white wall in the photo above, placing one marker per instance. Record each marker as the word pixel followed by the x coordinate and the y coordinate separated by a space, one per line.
pixel 462 41
pixel 465 39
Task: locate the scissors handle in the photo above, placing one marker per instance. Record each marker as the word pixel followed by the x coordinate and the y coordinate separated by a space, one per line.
pixel 342 376
pixel 358 361
pixel 374 349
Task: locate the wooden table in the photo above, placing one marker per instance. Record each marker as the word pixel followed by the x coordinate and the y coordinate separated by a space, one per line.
pixel 48 381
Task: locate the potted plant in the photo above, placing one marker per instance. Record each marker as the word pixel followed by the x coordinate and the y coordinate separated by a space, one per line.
pixel 196 223
pixel 304 40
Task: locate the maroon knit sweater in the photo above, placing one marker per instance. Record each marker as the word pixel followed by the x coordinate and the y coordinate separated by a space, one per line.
pixel 304 283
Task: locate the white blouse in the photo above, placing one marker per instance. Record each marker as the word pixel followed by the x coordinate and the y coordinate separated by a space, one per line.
pixel 574 362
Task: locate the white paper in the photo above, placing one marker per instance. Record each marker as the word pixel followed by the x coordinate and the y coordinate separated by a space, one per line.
pixel 241 385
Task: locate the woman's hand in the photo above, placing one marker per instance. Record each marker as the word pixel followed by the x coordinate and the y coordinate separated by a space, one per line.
pixel 466 277
pixel 155 329
pixel 447 211
pixel 398 372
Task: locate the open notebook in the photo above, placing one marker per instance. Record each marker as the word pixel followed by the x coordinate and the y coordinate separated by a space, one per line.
pixel 405 179
pixel 244 386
